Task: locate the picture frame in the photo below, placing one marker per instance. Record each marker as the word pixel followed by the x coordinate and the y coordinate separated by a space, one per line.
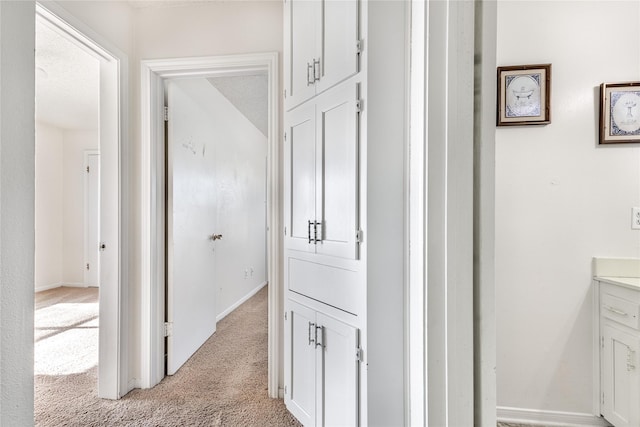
pixel 524 95
pixel 620 113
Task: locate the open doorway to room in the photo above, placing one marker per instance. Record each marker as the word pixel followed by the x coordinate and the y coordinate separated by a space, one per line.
pixel 67 205
pixel 155 74
pixel 216 203
pixel 81 194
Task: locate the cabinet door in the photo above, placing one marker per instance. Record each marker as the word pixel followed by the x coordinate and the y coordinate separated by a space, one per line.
pixel 620 379
pixel 337 176
pixel 337 42
pixel 300 177
pixel 300 363
pixel 338 400
pixel 300 19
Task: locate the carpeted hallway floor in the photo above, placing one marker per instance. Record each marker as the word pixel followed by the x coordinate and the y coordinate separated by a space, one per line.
pixel 223 384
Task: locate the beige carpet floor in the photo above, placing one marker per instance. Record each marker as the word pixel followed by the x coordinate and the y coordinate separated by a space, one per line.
pixel 223 384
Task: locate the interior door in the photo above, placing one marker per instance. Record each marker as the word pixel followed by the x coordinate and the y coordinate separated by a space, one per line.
pixel 191 220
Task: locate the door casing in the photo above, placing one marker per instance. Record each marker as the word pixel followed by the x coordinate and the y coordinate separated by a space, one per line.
pixel 153 204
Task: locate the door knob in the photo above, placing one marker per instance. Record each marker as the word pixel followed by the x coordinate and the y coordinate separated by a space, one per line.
pixel 216 237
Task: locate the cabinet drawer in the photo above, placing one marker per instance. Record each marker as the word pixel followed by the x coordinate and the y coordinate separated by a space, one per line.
pixel 620 310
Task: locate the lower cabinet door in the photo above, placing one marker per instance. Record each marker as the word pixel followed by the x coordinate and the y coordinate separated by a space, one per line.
pixel 620 378
pixel 321 368
pixel 300 363
pixel 340 362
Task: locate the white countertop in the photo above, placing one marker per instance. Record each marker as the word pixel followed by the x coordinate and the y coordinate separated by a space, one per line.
pixel 629 282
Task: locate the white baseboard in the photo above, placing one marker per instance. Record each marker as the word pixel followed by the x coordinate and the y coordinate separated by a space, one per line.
pixel 548 418
pixel 59 285
pixel 239 302
pixel 74 285
pixel 47 287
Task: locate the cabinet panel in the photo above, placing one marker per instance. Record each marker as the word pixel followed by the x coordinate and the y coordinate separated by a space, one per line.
pixel 338 42
pixel 321 176
pixel 337 181
pixel 335 286
pixel 620 310
pixel 300 177
pixel 340 373
pixel 301 17
pixel 321 46
pixel 300 360
pixel 321 375
pixel 620 379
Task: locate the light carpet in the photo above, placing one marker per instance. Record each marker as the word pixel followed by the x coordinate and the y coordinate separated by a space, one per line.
pixel 223 384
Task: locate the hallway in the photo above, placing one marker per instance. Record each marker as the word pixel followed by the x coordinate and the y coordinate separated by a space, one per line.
pixel 223 384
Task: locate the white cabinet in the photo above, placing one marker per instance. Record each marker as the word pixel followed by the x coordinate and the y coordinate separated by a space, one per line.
pixel 321 175
pixel 322 368
pixel 321 46
pixel 619 310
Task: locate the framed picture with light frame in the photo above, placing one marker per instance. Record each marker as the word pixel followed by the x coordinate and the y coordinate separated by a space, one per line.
pixel 524 95
pixel 620 113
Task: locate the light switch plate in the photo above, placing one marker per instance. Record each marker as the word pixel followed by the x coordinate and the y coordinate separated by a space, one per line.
pixel 635 218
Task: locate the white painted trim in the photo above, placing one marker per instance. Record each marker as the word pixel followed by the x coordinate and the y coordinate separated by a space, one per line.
pixel 595 347
pixel 48 287
pixel 416 305
pixel 240 302
pixel 74 285
pixel 485 395
pixel 548 418
pixel 152 209
pixel 85 197
pixel 114 321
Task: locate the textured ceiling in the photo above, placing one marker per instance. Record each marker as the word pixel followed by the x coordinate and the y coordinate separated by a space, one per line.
pixel 67 82
pixel 249 94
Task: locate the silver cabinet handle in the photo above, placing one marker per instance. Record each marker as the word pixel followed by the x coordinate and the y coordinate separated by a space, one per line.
pixel 316 63
pixel 320 341
pixel 310 80
pixel 615 310
pixel 312 326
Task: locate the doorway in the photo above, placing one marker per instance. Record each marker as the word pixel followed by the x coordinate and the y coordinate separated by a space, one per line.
pixel 73 40
pixel 215 204
pixel 154 74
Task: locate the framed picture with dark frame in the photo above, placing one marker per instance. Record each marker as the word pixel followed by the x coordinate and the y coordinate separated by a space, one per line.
pixel 620 113
pixel 524 95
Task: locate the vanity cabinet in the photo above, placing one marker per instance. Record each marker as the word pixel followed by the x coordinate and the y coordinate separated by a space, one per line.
pixel 321 46
pixel 619 319
pixel 322 365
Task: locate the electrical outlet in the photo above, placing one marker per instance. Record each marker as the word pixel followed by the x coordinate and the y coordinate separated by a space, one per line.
pixel 635 218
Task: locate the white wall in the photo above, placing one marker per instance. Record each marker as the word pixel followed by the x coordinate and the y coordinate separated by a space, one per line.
pixel 49 207
pixel 17 192
pixel 60 197
pixel 560 198
pixel 75 144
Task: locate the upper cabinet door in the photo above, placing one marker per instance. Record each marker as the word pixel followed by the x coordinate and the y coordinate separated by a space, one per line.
pixel 301 21
pixel 300 178
pixel 320 46
pixel 337 171
pixel 338 42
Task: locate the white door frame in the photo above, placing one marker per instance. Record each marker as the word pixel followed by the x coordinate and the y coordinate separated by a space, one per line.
pixel 153 73
pixel 450 308
pixel 113 134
